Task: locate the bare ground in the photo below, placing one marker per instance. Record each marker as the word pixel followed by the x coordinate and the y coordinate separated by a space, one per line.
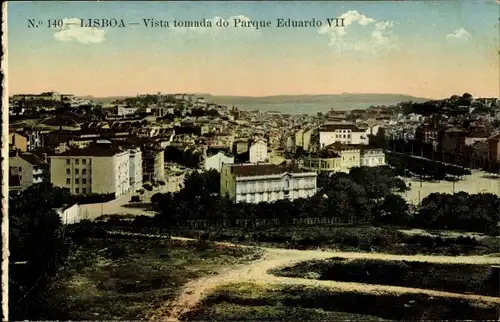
pixel 257 272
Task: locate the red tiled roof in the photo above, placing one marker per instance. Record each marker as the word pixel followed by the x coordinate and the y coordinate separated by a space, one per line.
pixel 262 170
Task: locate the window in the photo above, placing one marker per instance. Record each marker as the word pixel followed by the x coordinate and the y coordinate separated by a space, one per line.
pixel 84 181
pixel 77 171
pixel 84 190
pixel 77 191
pixel 84 161
pixel 20 178
pixel 84 171
pixel 20 169
pixel 77 181
pixel 68 171
pixel 77 161
pixel 68 181
pixel 67 161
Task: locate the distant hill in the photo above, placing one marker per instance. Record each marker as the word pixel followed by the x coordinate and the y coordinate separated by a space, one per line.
pixel 103 100
pixel 337 98
pixel 297 104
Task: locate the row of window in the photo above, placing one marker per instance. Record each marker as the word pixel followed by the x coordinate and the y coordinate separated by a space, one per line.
pixel 77 161
pixel 77 181
pixel 342 136
pixel 77 191
pixel 77 171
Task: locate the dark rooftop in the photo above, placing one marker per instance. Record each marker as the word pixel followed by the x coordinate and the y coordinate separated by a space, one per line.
pixel 262 170
pixel 333 127
pixel 92 151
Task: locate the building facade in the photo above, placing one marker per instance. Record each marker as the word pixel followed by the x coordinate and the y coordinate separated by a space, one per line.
pixel 93 170
pixel 28 168
pixel 153 163
pixel 254 183
pixel 18 142
pixel 343 159
pixel 372 158
pixel 341 133
pixel 216 161
pixel 258 152
pixel 135 171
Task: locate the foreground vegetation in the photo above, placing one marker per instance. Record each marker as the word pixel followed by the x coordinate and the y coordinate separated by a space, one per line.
pixel 366 238
pixel 285 303
pixel 110 279
pixel 455 278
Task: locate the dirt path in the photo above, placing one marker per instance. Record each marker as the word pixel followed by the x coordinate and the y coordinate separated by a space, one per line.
pixel 257 271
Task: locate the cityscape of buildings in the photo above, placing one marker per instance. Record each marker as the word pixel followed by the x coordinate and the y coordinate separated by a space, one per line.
pixel 116 148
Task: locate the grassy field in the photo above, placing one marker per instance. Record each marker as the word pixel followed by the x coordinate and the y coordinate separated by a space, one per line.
pixel 244 301
pixel 110 279
pixel 456 278
pixel 378 239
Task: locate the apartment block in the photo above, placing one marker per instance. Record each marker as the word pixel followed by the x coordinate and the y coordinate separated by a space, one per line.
pixel 92 170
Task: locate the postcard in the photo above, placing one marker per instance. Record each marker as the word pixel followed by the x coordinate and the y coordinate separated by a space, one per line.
pixel 239 161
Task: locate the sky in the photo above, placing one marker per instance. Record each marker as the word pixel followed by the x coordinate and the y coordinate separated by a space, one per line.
pixel 420 48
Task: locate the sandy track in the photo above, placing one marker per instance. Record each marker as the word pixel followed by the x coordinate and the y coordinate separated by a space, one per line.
pixel 257 271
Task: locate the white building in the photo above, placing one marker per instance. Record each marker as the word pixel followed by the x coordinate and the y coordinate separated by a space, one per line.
pixel 258 151
pixel 372 157
pixel 342 133
pixel 135 171
pixel 123 110
pixel 254 183
pixel 95 169
pixel 27 167
pixel 216 161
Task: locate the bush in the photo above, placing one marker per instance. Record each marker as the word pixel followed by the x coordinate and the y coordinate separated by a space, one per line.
pixel 115 252
pixel 148 187
pixel 135 199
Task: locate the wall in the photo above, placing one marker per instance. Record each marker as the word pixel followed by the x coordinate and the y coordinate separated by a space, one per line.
pixel 135 170
pixel 19 141
pixel 70 215
pixel 216 161
pixel 349 159
pixel 103 175
pixel 227 183
pixel 325 221
pixel 26 172
pixel 122 174
pixel 159 165
pixel 58 172
pixel 258 152
pixel 359 138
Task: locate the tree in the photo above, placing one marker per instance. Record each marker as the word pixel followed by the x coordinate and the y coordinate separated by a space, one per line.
pixel 393 210
pixel 36 237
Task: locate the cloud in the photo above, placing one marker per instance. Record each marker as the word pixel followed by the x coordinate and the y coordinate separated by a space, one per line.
pixel 360 33
pixel 459 34
pixel 73 32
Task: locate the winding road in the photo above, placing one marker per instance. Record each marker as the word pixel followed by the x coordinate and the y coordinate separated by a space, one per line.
pixel 257 271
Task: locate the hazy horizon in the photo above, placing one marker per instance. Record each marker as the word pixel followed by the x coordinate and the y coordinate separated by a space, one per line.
pixel 419 49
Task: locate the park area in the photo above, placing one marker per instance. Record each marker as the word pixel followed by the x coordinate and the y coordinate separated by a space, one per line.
pixel 477 182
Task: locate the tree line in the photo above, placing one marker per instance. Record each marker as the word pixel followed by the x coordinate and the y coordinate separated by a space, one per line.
pixel 369 194
pixel 462 159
